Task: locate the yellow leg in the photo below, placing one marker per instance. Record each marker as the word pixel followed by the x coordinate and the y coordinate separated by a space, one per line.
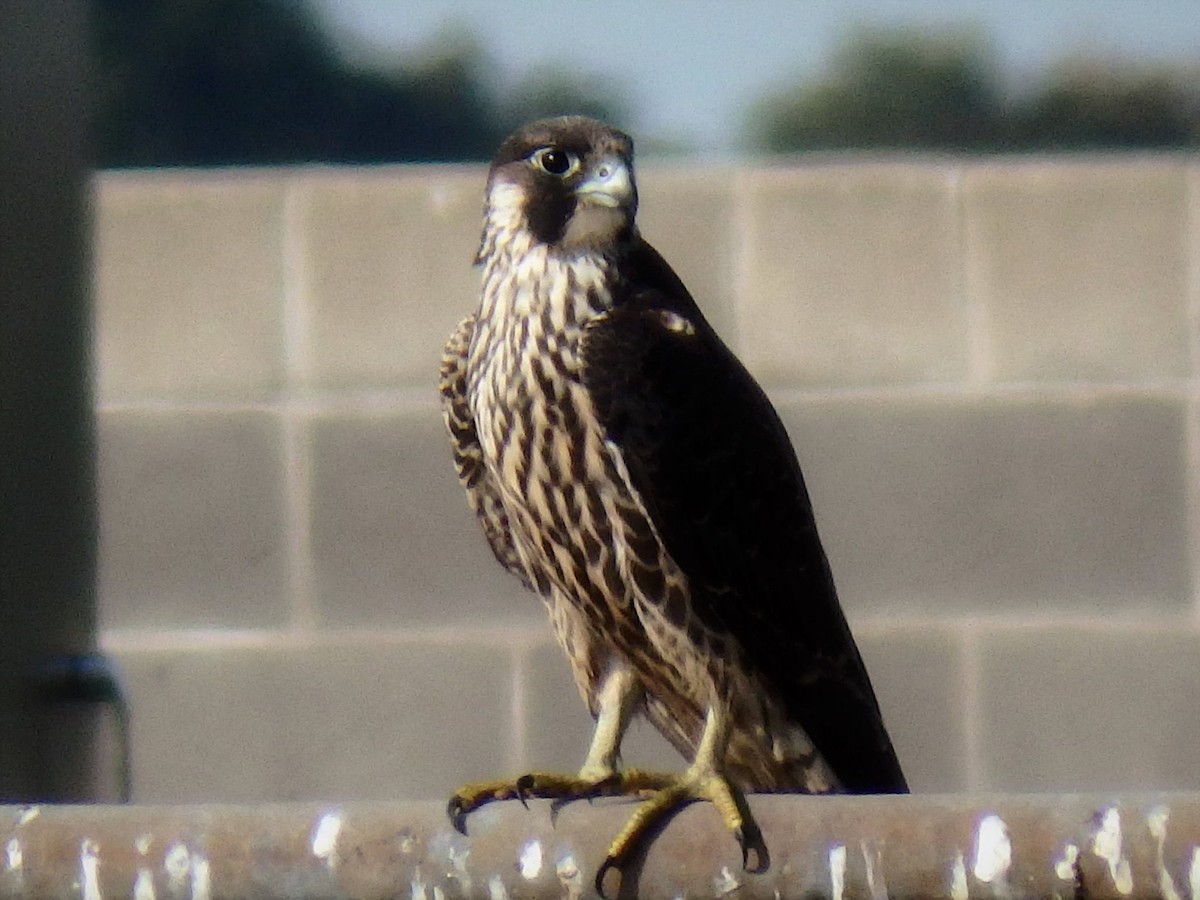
pixel 661 794
pixel 666 795
pixel 618 699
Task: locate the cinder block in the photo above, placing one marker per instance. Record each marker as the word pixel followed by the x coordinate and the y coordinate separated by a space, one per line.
pixel 1067 709
pixel 394 542
pixel 558 727
pixel 388 257
pixel 918 680
pixel 189 285
pixel 687 214
pixel 1082 267
pixel 192 523
pixel 852 275
pixel 372 722
pixel 950 505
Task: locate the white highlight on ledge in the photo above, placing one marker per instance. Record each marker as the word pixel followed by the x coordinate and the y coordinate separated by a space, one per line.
pixel 570 876
pixel 143 886
pixel 530 861
pixel 14 858
pixel 201 885
pixel 496 888
pixel 993 850
pixel 1157 823
pixel 178 863
pixel 876 886
pixel 959 890
pixel 416 889
pixel 725 882
pixel 1107 845
pixel 89 869
pixel 1065 867
pixel 325 837
pixel 837 871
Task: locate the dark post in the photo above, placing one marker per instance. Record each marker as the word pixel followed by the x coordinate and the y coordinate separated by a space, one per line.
pixel 47 485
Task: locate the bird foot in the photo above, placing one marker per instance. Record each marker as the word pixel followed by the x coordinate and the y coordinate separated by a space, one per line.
pixel 662 795
pixel 562 789
pixel 669 795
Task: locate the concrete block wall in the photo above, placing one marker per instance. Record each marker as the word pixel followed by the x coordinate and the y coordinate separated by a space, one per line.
pixel 989 369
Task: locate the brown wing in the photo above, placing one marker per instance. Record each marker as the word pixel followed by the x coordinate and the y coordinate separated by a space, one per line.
pixel 716 469
pixel 468 457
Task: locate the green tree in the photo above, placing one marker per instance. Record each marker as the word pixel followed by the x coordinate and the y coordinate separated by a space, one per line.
pixel 433 106
pixel 210 81
pixel 551 90
pixel 220 82
pixel 903 89
pixel 889 89
pixel 1087 106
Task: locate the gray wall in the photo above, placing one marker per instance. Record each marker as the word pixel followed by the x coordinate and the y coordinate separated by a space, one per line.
pixel 989 370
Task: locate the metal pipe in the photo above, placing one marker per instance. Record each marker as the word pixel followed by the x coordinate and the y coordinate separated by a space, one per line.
pixel 959 847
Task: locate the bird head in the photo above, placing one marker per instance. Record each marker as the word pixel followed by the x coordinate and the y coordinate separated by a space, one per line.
pixel 568 182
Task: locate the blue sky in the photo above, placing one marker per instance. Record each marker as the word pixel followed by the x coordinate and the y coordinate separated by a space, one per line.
pixel 689 67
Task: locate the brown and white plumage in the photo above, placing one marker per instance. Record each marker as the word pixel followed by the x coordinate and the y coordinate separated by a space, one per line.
pixel 629 470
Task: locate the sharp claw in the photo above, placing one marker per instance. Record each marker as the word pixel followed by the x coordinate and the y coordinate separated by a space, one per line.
pixel 605 787
pixel 556 806
pixel 750 839
pixel 457 814
pixel 523 786
pixel 609 865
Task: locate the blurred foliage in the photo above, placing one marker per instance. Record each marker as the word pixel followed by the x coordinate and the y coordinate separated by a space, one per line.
pixel 902 89
pixel 1087 106
pixel 551 91
pixel 217 82
pixel 889 90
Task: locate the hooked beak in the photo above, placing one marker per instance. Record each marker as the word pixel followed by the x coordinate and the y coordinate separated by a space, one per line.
pixel 609 183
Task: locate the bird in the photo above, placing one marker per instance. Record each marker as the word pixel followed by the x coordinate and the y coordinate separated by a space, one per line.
pixel 629 470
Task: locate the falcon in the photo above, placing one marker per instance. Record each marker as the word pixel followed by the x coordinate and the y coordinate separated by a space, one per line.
pixel 626 467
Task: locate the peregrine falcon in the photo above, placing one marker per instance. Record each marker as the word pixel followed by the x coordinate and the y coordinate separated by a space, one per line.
pixel 626 467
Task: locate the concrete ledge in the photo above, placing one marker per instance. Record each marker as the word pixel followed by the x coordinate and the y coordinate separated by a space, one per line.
pixel 929 846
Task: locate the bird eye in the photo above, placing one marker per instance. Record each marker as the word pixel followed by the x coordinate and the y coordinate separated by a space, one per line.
pixel 555 161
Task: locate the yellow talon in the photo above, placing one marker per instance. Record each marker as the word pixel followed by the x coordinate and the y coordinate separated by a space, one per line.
pixel 561 789
pixel 665 796
pixel 661 795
